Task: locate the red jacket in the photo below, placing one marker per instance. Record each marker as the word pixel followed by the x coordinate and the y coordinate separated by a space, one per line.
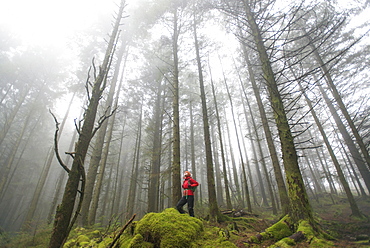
pixel 187 184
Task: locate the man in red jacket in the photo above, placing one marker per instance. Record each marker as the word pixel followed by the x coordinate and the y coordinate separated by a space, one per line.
pixel 189 186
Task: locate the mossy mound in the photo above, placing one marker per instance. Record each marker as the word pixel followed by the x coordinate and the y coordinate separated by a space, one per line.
pixel 82 237
pixel 167 229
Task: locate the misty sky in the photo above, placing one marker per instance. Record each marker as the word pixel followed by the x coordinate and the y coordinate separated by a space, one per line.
pixel 40 22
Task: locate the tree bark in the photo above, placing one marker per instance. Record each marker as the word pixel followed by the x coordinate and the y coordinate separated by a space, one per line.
pixel 300 208
pixel 97 153
pixel 64 212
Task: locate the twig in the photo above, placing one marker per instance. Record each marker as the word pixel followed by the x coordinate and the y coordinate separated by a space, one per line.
pixel 121 231
pixel 102 119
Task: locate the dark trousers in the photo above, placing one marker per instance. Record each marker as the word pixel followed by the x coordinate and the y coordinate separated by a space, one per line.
pixel 190 201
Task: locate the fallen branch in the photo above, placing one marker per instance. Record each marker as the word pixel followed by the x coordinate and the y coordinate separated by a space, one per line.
pixel 121 231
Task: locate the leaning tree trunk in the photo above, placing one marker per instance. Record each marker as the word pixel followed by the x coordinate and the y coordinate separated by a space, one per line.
pixel 351 200
pixel 62 223
pixel 60 181
pixel 300 208
pixel 365 173
pixel 214 211
pixel 97 152
pixel 338 99
pixel 107 133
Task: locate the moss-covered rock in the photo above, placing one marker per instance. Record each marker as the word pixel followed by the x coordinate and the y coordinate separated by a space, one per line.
pixel 138 242
pixel 168 229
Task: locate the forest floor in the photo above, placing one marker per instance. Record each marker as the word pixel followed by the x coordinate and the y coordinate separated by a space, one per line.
pixel 334 218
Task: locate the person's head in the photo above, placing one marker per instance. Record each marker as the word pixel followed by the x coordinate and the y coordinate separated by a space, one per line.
pixel 187 174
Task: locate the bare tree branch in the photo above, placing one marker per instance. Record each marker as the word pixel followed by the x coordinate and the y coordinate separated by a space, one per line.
pixel 102 119
pixel 56 149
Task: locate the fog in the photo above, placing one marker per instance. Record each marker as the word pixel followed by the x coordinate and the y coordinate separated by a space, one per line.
pixel 51 52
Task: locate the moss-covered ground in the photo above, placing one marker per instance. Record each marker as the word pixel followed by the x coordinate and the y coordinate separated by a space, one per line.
pixel 171 229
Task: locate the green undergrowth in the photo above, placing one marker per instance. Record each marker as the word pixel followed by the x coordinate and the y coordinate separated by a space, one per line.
pixel 172 229
pixel 37 239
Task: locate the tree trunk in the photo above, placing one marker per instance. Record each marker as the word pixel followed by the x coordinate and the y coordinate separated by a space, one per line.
pixel 284 199
pixel 264 166
pixel 244 173
pixel 219 186
pixel 342 107
pixel 224 170
pixel 154 176
pixel 300 208
pixel 97 153
pixel 214 211
pixel 60 181
pixel 135 169
pixel 352 202
pixel 176 175
pixel 233 165
pixel 248 162
pixel 10 119
pixel 356 156
pixel 64 212
pixel 45 171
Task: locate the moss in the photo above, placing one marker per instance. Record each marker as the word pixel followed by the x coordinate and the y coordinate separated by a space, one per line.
pixel 105 243
pixel 285 242
pixel 169 229
pixel 70 243
pixel 320 243
pixel 279 230
pixel 94 234
pixel 82 238
pixel 84 244
pixel 138 242
pixel 223 218
pixel 211 238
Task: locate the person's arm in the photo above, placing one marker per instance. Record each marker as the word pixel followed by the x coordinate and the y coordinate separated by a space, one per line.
pixel 193 183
